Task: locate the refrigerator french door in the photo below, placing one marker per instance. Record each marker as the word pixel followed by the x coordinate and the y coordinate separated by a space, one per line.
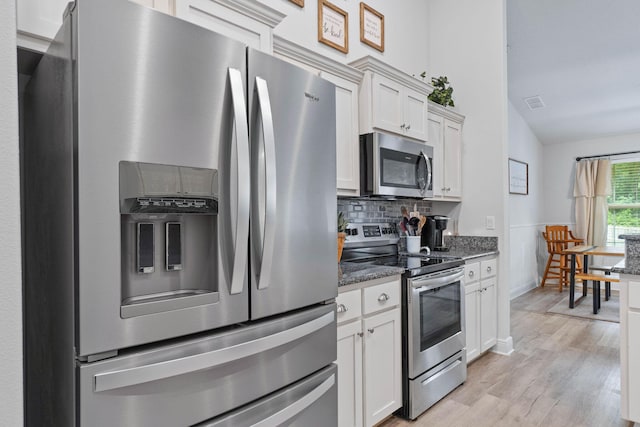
pixel 177 184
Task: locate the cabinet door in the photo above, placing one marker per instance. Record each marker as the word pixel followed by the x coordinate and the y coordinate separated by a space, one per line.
pixel 488 314
pixel 436 136
pixel 452 159
pixel 415 114
pixel 350 375
pixel 225 21
pixel 347 131
pixel 634 366
pixel 382 366
pixel 41 18
pixel 387 105
pixel 472 320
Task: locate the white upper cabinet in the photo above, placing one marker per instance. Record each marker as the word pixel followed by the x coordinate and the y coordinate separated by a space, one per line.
pixel 392 101
pixel 248 21
pixel 347 81
pixel 445 135
pixel 38 22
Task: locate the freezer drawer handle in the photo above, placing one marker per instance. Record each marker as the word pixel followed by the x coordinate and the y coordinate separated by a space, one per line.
pixel 244 185
pixel 198 362
pixel 285 414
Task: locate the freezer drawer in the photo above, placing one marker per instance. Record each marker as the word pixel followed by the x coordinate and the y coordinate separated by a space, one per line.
pixel 310 402
pixel 191 381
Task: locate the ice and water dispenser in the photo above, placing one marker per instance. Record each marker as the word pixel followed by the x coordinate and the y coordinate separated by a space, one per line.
pixel 168 237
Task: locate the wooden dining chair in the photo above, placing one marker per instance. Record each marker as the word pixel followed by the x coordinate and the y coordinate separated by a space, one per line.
pixel 558 239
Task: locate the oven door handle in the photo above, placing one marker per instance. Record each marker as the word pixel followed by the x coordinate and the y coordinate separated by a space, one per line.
pixel 438 280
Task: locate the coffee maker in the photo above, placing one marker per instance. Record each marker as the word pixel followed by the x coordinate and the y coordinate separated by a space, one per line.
pixel 433 233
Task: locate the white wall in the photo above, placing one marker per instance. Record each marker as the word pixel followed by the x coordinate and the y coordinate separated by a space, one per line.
pixel 405 31
pixel 468 44
pixel 559 171
pixel 525 212
pixel 10 268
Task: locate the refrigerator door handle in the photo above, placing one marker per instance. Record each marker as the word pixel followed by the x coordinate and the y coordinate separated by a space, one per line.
pixel 198 362
pixel 270 189
pixel 285 414
pixel 241 245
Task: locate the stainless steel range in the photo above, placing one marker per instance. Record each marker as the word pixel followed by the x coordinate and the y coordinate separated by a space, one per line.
pixel 433 337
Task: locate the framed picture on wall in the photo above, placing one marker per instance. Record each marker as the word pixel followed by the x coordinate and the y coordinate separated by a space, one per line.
pixel 333 26
pixel 371 27
pixel 298 2
pixel 518 177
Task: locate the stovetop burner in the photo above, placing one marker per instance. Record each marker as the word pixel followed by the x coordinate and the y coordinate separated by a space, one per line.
pixel 414 265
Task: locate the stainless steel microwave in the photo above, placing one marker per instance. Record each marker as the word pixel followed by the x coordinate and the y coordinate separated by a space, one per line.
pixel 393 166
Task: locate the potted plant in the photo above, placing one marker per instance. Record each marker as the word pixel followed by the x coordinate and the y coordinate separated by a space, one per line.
pixel 342 228
pixel 441 93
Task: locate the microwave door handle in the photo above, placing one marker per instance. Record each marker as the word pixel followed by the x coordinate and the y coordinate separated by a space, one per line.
pixel 243 185
pixel 269 185
pixel 429 174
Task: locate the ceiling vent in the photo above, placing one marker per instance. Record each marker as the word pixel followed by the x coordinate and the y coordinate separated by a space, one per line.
pixel 534 102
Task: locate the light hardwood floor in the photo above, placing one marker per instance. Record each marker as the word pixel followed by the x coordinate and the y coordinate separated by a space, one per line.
pixel 565 371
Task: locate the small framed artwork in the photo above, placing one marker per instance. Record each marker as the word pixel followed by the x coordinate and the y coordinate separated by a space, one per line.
pixel 371 27
pixel 333 26
pixel 518 177
pixel 298 2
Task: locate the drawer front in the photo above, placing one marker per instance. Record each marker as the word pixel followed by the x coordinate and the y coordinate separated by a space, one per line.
pixel 349 306
pixel 471 272
pixel 382 296
pixel 488 268
pixel 634 295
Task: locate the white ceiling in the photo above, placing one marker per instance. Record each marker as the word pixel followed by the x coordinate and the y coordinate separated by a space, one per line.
pixel 583 59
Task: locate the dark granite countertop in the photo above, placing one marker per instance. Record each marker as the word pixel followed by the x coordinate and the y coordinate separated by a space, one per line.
pixel 351 272
pixel 623 268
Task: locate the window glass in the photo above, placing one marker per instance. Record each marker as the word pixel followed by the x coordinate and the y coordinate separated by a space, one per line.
pixel 624 201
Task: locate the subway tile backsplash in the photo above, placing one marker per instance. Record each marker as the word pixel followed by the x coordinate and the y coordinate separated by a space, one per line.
pixel 368 210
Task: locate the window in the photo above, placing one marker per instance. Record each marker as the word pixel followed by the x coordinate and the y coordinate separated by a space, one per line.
pixel 624 201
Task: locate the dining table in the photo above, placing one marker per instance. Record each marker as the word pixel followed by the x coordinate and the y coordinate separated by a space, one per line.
pixel 586 251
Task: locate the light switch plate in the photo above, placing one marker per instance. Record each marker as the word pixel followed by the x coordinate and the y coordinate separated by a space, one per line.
pixel 491 223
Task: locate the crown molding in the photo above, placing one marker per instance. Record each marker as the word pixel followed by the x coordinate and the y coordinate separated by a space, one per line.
pixel 254 10
pixel 445 112
pixel 286 48
pixel 374 65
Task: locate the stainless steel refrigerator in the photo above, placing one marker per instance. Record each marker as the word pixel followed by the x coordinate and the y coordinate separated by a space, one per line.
pixel 179 208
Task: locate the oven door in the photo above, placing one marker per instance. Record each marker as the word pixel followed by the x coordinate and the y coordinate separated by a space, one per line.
pixel 435 308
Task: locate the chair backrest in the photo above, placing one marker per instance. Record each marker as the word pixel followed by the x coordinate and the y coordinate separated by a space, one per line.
pixel 557 237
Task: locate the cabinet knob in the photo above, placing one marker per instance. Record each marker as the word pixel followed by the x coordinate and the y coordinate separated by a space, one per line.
pixel 360 334
pixel 471 273
pixel 489 269
pixel 384 297
pixel 448 188
pixel 408 127
pixel 443 189
pixel 371 330
pixel 402 126
pixel 342 308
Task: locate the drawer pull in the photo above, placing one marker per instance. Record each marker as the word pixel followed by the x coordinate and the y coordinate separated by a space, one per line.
pixel 471 273
pixel 360 334
pixel 342 308
pixel 384 297
pixel 489 269
pixel 371 330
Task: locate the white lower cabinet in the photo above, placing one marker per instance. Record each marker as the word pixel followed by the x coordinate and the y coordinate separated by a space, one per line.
pixel 630 347
pixel 481 315
pixel 369 353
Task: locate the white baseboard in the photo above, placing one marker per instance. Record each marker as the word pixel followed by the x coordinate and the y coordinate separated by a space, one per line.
pixel 504 347
pixel 522 289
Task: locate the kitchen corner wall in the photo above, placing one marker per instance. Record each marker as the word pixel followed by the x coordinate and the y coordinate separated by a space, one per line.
pixel 11 409
pixel 528 249
pixel 467 43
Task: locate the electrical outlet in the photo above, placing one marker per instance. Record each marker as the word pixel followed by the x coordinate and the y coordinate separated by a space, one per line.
pixel 491 223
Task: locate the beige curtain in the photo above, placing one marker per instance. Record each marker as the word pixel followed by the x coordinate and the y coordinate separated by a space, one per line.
pixel 592 186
